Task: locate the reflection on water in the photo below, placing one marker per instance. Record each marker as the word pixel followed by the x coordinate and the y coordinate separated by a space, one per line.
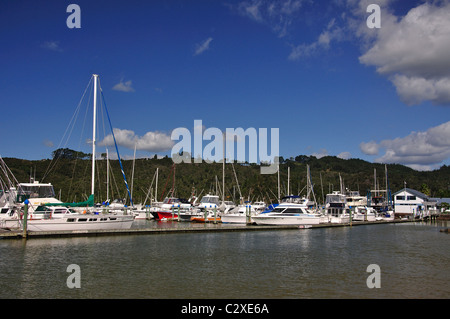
pixel 307 263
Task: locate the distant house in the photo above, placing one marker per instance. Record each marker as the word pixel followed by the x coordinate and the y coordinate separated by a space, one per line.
pixel 411 203
pixel 440 201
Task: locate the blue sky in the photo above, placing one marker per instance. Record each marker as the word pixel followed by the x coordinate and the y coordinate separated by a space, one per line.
pixel 313 69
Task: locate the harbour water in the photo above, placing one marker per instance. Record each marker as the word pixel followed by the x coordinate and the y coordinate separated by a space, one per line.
pixel 413 259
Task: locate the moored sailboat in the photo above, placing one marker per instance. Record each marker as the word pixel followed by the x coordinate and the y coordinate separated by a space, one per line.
pixel 90 220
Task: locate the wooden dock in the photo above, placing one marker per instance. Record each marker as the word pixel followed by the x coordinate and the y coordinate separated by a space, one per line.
pixel 18 234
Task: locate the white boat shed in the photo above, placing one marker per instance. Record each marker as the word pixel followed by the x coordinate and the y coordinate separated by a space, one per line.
pixel 411 203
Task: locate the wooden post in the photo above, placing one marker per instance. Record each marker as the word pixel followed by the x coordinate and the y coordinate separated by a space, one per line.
pixel 350 217
pixel 25 218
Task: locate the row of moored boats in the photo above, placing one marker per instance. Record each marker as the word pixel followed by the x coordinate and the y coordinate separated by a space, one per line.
pixel 46 213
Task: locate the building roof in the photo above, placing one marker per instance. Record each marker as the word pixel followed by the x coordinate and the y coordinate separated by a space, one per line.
pixel 441 200
pixel 414 192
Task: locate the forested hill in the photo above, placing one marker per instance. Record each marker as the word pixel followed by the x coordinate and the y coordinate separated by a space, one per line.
pixel 71 177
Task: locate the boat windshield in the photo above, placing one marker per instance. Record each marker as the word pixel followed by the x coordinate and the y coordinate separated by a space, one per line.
pixel 36 191
pixel 335 198
pixel 170 200
pixel 210 200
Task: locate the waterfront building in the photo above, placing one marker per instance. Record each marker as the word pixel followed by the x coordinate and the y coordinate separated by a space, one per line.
pixel 411 203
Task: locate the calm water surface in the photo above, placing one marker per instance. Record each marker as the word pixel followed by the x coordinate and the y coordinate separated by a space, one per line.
pixel 414 259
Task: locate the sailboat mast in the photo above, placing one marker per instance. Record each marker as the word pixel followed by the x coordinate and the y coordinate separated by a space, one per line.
pixel 289 176
pixel 223 168
pixel 156 187
pixel 93 134
pixel 278 170
pixel 107 175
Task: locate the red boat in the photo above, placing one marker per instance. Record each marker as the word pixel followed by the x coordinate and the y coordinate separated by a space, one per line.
pixel 164 214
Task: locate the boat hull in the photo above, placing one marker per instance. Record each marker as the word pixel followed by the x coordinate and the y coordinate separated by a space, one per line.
pixel 207 220
pixel 286 220
pixel 81 223
pixel 362 217
pixel 340 219
pixel 235 219
pixel 142 215
pixel 167 215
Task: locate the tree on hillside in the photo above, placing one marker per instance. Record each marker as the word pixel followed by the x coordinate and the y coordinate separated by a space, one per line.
pixel 67 153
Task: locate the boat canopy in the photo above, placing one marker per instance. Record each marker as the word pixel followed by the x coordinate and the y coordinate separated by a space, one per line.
pixel 89 202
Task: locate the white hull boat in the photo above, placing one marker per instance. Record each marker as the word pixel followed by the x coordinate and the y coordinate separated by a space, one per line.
pixel 238 215
pixel 337 209
pixel 293 210
pixel 81 222
pixel 364 214
pixel 342 219
pixel 68 221
pixel 287 219
pixel 142 215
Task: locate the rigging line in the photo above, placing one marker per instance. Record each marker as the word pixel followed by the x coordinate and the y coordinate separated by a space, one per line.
pixel 10 173
pixel 149 189
pixel 71 122
pixel 81 138
pixel 117 149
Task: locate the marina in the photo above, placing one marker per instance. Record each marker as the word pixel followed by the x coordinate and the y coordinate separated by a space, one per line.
pixel 220 158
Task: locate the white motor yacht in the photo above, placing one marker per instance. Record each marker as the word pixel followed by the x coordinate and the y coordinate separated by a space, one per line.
pixel 293 210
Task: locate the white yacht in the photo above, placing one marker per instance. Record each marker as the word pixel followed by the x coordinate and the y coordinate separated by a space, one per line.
pixel 241 214
pixel 336 208
pixel 358 207
pixel 364 213
pixel 293 210
pixel 209 201
pixel 81 222
pixel 69 221
pixel 354 199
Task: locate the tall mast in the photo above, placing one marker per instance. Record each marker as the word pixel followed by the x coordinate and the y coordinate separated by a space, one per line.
pixel 156 187
pixel 289 173
pixel 93 133
pixel 223 168
pixel 107 175
pixel 278 181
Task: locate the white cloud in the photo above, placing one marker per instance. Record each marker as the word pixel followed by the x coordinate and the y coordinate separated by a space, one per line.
pixel 277 15
pixel 48 143
pixel 202 47
pixel 52 46
pixel 322 153
pixel 333 32
pixel 345 155
pixel 252 9
pixel 370 148
pixel 151 141
pixel 419 150
pixel 123 86
pixel 412 51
